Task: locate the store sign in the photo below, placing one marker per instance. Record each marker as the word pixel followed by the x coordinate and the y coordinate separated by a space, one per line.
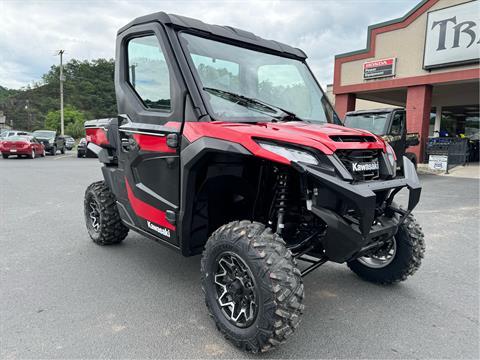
pixel 438 162
pixel 379 68
pixel 453 36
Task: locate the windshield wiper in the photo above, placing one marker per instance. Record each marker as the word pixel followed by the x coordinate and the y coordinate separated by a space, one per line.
pixel 254 104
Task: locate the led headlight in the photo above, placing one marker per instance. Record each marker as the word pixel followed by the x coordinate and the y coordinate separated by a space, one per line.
pixel 290 153
pixel 392 158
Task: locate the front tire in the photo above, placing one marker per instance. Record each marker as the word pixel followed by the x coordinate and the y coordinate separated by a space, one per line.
pixel 247 265
pixel 396 263
pixel 5 156
pixel 32 155
pixel 62 151
pixel 101 215
pixel 53 152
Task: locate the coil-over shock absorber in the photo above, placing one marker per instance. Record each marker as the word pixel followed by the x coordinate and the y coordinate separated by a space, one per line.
pixel 281 199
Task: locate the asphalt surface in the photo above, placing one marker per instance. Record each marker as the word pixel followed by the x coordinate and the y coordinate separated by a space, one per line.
pixel 62 296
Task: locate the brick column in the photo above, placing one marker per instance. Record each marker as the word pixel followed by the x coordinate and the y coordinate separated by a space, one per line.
pixel 344 103
pixel 419 104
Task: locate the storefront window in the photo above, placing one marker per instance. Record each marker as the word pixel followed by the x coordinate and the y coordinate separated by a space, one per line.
pixel 460 121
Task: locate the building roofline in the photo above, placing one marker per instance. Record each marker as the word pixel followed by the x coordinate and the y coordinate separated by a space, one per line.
pixel 380 25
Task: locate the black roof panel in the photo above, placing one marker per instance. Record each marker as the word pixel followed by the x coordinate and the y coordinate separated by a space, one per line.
pixel 373 111
pixel 227 32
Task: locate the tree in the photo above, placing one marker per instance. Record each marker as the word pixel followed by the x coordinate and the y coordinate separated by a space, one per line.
pixel 89 88
pixel 73 120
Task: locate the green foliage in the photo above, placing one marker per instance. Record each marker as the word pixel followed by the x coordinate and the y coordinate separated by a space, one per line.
pixel 73 121
pixel 5 93
pixel 88 88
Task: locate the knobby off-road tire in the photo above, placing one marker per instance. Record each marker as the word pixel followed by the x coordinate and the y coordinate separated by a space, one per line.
pixel 409 252
pixel 101 215
pixel 277 284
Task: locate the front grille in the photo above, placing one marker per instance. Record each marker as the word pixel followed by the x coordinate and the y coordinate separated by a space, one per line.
pixel 360 162
pixel 352 138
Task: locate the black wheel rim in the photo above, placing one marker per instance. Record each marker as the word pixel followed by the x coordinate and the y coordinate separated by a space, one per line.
pixel 93 215
pixel 235 290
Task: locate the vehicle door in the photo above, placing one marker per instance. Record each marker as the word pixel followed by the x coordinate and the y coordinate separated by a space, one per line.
pixel 60 142
pixel 397 133
pixel 151 106
pixel 35 146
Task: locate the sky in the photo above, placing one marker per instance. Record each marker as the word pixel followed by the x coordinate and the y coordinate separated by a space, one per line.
pixel 31 32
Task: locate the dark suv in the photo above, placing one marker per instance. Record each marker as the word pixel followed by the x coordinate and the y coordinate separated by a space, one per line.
pixel 51 140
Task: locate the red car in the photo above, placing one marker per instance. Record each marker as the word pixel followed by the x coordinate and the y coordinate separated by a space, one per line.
pixel 21 145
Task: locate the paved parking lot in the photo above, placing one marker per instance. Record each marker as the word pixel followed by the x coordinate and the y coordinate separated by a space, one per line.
pixel 61 296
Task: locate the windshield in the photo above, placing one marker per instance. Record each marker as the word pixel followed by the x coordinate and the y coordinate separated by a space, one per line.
pixel 19 138
pixel 375 123
pixel 44 134
pixel 274 80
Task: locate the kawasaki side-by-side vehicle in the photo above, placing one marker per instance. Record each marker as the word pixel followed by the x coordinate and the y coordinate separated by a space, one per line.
pixel 226 146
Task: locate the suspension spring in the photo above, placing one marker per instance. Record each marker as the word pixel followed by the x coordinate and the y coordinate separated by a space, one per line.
pixel 281 199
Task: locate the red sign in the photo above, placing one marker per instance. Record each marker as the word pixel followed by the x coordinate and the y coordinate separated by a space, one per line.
pixel 379 68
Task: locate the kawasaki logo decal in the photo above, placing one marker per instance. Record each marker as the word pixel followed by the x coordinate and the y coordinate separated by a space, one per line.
pixel 158 229
pixel 365 166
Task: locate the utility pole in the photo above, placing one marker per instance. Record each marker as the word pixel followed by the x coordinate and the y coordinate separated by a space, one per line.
pixel 62 79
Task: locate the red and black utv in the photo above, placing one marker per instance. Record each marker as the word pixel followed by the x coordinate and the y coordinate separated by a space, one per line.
pixel 226 146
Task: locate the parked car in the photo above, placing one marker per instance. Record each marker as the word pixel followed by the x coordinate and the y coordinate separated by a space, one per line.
pixel 83 151
pixel 82 148
pixel 51 140
pixel 21 145
pixel 69 142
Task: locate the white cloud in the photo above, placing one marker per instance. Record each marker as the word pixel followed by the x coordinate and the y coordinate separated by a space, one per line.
pixel 31 31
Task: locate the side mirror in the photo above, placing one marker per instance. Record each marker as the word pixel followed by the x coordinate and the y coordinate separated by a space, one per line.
pixel 412 139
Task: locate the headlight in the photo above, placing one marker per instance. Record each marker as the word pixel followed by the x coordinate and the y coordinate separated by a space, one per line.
pixel 392 158
pixel 290 153
pixel 51 141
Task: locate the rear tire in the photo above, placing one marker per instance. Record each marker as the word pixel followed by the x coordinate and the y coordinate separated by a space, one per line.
pixel 268 278
pixel 101 215
pixel 62 151
pixel 409 251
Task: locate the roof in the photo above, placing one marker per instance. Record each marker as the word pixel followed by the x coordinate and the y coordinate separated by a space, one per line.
pixel 373 111
pixel 227 32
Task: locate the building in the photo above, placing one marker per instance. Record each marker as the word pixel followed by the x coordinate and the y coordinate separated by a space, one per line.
pixel 426 61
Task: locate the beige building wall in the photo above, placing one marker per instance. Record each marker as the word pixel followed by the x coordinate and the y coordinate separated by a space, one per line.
pixel 406 45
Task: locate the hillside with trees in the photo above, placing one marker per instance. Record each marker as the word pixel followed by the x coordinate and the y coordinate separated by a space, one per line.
pixel 88 94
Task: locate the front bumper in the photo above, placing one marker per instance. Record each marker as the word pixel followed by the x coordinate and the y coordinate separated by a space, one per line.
pixel 345 238
pixel 22 151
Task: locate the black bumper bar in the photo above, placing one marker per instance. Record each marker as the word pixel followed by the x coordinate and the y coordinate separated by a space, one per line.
pixel 343 238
